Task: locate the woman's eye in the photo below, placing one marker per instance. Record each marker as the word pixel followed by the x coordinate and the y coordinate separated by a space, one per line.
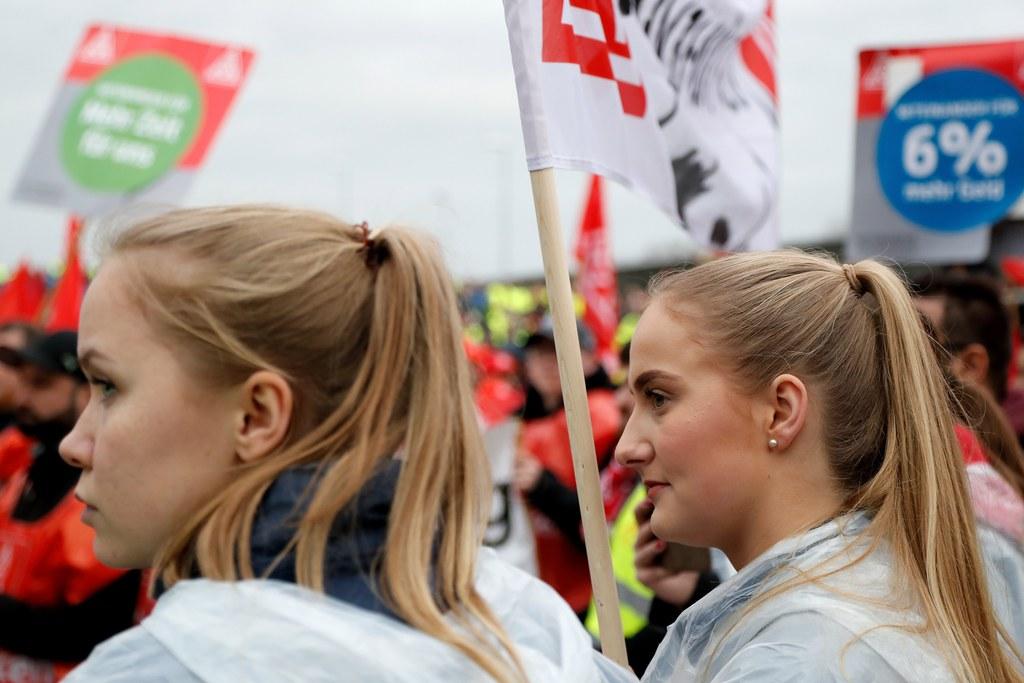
pixel 656 399
pixel 104 388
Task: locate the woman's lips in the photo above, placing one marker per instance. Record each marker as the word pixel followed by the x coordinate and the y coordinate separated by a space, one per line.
pixel 654 487
pixel 88 512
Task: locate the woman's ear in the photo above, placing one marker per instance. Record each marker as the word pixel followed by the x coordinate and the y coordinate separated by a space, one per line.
pixel 788 404
pixel 971 364
pixel 265 415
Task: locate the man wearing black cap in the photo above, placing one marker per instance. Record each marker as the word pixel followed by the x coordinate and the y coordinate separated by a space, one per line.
pixel 56 600
pixel 53 392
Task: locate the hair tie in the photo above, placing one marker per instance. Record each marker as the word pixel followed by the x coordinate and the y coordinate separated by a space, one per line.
pixel 850 272
pixel 373 251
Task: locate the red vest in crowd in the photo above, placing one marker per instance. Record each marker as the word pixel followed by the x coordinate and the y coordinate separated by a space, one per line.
pixel 46 562
pixel 15 454
pixel 562 564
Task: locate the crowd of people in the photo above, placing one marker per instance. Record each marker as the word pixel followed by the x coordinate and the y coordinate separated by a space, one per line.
pixel 57 599
pixel 276 449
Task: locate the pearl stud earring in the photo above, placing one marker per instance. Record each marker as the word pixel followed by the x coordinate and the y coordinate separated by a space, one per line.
pixel 773 443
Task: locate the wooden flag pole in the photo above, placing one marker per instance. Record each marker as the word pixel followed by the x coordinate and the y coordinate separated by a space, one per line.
pixel 577 412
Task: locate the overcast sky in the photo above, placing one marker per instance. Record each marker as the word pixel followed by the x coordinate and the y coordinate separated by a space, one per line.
pixel 405 111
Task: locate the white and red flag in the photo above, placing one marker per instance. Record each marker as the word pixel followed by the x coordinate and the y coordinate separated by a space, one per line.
pixel 672 98
pixel 595 276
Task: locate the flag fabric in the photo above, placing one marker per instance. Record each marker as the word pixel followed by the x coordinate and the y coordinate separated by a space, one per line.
pixel 595 276
pixel 1013 267
pixel 674 99
pixel 70 289
pixel 22 296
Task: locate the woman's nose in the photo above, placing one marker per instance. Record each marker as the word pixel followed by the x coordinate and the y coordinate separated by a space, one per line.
pixel 76 448
pixel 633 449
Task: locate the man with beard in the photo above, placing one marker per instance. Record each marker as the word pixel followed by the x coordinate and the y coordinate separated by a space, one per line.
pixel 56 600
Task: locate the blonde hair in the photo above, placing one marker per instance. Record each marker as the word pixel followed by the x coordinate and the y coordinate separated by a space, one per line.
pixel 366 331
pixel 854 334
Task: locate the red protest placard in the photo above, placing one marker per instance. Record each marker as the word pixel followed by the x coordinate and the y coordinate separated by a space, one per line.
pixel 134 119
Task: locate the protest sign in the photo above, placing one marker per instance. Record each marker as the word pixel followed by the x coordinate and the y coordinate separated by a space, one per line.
pixel 939 150
pixel 132 121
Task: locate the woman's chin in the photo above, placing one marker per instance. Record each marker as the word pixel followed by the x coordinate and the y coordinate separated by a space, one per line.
pixel 114 556
pixel 671 526
pixel 664 525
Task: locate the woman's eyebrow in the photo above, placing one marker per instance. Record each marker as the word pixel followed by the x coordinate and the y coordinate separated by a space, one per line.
pixel 649 376
pixel 87 358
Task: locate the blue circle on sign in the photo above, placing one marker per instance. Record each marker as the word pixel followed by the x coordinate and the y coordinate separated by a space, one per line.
pixel 950 153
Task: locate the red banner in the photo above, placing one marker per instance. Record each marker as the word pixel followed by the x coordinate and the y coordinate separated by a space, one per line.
pixel 596 276
pixel 70 289
pixel 22 296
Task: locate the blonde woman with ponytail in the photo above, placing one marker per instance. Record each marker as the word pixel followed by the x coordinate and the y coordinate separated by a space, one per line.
pixel 789 410
pixel 281 425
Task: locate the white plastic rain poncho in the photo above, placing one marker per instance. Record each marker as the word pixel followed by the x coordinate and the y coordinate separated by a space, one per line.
pixel 270 631
pixel 1004 567
pixel 999 511
pixel 806 633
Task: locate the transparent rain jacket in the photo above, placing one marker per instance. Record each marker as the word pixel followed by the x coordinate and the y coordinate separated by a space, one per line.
pixel 1000 514
pixel 1004 567
pixel 270 631
pixel 823 631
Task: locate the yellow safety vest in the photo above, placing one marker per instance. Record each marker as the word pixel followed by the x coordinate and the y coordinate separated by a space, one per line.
pixel 634 597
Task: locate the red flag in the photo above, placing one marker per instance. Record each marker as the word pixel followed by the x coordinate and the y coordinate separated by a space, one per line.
pixel 596 276
pixel 1013 267
pixel 67 296
pixel 21 297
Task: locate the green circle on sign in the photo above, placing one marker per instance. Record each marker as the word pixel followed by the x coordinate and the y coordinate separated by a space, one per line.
pixel 132 124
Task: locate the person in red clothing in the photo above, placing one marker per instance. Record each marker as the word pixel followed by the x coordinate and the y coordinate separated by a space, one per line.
pixel 15 447
pixel 57 601
pixel 993 460
pixel 544 469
